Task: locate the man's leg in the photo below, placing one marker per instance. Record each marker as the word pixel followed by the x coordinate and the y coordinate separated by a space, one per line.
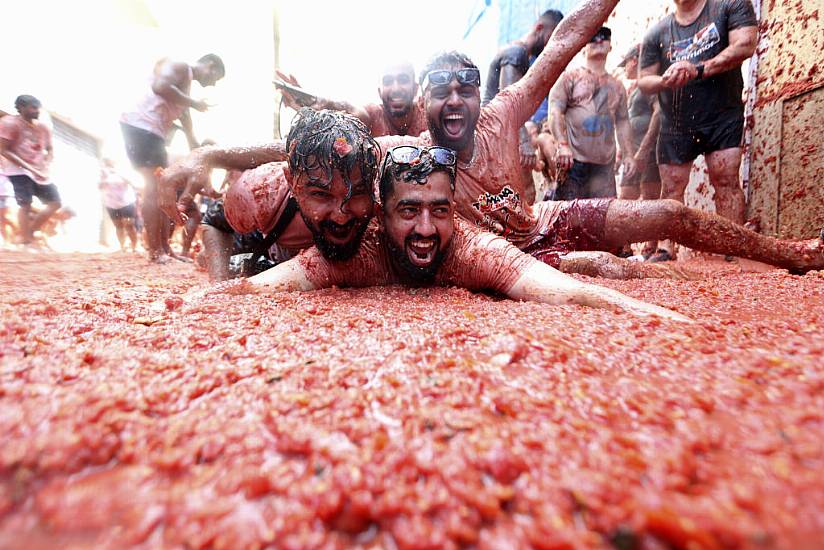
pixel 154 221
pixel 217 249
pixel 190 230
pixel 650 191
pixel 121 232
pixel 723 167
pixel 24 223
pixel 572 187
pixel 609 266
pixel 635 221
pixel 4 224
pixel 129 226
pixel 43 216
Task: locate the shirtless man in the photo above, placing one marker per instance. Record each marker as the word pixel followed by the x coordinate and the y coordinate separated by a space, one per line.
pixel 145 129
pixel 327 181
pixel 416 241
pixel 489 191
pixel 26 148
pixel 400 112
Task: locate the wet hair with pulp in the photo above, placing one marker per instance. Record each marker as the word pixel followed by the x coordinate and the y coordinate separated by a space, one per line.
pixel 391 172
pixel 330 140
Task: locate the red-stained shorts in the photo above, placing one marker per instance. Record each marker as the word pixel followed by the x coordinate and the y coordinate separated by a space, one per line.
pixel 576 225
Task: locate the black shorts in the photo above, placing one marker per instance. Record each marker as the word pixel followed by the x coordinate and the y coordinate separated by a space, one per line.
pixel 587 181
pixel 145 149
pixel 26 188
pixel 649 174
pixel 125 213
pixel 242 243
pixel 685 147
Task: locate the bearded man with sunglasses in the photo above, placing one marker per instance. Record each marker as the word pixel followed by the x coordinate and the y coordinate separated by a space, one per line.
pixel 417 241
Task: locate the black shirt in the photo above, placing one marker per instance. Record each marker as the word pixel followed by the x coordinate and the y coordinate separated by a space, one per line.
pixel 640 115
pixel 513 54
pixel 701 103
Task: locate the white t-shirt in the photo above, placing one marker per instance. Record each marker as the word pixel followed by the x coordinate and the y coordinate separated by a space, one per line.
pixel 6 189
pixel 117 192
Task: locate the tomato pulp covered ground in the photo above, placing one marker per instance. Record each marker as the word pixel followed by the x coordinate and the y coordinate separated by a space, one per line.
pixel 405 418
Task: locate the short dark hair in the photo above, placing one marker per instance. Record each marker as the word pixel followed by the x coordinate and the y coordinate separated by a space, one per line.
pixel 390 172
pixel 552 16
pixel 316 135
pixel 26 100
pixel 215 61
pixel 443 59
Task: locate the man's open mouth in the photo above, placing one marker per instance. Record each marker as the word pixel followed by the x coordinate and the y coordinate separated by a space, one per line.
pixel 421 252
pixel 454 124
pixel 339 234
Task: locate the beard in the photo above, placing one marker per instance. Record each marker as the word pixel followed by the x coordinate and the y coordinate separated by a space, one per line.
pixel 397 113
pixel 409 271
pixel 333 251
pixel 441 138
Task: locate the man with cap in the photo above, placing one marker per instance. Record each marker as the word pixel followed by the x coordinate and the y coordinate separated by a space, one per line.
pixel 26 148
pixel 587 107
pixel 508 66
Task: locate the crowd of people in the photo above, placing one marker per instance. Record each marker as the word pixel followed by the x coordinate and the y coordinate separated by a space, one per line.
pixel 432 185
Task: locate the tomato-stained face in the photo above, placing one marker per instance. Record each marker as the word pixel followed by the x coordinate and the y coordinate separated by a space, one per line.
pixel 336 211
pixel 418 223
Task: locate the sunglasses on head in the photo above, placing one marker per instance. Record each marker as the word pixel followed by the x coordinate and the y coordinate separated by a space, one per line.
pixel 601 36
pixel 408 154
pixel 441 77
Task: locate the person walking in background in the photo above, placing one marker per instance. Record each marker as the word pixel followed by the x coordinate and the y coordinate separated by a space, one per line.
pixel 120 201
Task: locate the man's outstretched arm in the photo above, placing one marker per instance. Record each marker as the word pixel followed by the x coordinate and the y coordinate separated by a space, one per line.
pixel 322 103
pixel 191 174
pixel 541 283
pixel 571 35
pixel 285 277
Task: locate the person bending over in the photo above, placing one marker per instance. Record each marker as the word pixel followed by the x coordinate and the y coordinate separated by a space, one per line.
pixel 322 196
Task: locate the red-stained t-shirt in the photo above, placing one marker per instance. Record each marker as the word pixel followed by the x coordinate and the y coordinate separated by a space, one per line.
pixel 489 190
pixel 476 260
pixel 381 125
pixel 257 200
pixel 29 141
pixel 592 105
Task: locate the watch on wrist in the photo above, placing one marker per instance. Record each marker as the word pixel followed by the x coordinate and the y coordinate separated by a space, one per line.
pixel 700 68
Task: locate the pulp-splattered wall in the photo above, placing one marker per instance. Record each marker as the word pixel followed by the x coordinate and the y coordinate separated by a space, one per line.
pixel 787 157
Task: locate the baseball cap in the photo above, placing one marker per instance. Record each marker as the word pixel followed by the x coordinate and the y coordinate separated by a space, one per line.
pixel 632 53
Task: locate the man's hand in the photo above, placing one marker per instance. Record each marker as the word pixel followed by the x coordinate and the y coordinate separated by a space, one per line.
pixel 679 74
pixel 527 152
pixel 200 105
pixel 564 158
pixel 292 100
pixel 630 167
pixel 191 175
